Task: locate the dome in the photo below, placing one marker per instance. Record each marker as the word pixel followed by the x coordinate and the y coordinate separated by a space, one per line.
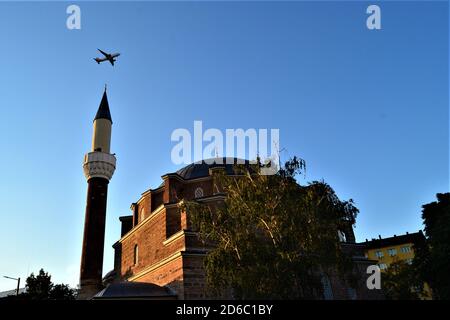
pixel 135 290
pixel 201 168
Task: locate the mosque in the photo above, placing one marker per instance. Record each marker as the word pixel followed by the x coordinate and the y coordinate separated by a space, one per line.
pixel 158 255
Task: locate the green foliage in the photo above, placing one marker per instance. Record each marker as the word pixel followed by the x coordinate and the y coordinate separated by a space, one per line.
pixel 40 287
pixel 401 281
pixel 61 292
pixel 272 237
pixel 435 259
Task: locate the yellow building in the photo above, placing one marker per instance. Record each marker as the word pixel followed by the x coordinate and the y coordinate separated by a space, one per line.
pixel 397 248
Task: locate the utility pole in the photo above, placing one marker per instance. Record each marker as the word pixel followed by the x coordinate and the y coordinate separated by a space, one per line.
pixel 18 283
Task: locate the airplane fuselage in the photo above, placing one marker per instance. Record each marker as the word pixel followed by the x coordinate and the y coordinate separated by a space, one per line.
pixel 108 57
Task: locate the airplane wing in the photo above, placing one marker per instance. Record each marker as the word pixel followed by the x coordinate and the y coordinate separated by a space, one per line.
pixel 103 52
pixel 112 61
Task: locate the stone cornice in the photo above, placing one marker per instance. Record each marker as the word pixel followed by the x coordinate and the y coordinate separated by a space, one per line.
pixel 161 263
pixel 155 266
pixel 177 236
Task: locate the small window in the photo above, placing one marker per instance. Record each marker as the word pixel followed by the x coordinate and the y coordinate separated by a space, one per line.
pixel 198 192
pixel 136 255
pixel 341 236
pixel 392 252
pixel 409 261
pixel 326 286
pixel 383 266
pixel 379 254
pixel 405 249
pixel 351 293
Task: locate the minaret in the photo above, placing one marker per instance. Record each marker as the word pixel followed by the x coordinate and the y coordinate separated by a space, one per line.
pixel 98 167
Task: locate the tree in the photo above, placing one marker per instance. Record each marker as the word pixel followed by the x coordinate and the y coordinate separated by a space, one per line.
pixel 272 238
pixel 402 282
pixel 61 292
pixel 40 287
pixel 436 257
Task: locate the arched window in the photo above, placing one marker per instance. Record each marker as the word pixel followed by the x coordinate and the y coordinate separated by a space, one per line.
pixel 136 254
pixel 198 192
pixel 342 237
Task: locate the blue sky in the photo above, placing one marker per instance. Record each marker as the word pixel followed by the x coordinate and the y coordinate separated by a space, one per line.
pixel 367 110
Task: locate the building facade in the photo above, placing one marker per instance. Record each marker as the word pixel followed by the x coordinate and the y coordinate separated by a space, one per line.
pixel 157 243
pixel 386 251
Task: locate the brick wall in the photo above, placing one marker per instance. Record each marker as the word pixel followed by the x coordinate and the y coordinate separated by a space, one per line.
pixel 159 238
pixel 169 274
pixel 194 276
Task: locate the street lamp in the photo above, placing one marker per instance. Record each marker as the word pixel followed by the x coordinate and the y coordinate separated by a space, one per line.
pixel 18 283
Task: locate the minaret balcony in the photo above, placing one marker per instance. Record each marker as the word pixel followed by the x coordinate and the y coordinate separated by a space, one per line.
pixel 99 165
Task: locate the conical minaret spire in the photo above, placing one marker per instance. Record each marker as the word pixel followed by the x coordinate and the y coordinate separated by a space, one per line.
pixel 103 110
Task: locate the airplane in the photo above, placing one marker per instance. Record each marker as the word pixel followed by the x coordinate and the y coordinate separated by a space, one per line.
pixel 108 57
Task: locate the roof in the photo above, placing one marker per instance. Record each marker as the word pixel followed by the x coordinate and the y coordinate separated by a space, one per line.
pixel 135 290
pixel 109 277
pixel 201 168
pixel 415 238
pixel 126 218
pixel 13 292
pixel 103 110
